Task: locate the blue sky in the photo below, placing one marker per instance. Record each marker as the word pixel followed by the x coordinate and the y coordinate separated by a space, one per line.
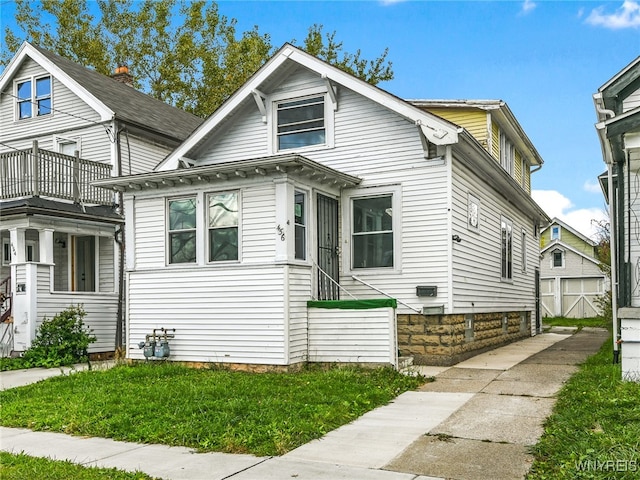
pixel 544 58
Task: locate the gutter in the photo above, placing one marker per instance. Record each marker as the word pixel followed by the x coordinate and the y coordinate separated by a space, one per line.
pixel 607 154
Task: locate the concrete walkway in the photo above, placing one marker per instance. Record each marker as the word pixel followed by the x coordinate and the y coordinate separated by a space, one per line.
pixel 475 421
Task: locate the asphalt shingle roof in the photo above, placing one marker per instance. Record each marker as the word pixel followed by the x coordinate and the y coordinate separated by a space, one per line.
pixel 129 104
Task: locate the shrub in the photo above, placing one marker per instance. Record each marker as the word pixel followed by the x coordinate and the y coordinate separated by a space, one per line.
pixel 63 340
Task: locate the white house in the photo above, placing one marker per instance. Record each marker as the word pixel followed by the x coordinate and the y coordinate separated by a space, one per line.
pixel 61 127
pixel 617 104
pixel 309 185
pixel 571 281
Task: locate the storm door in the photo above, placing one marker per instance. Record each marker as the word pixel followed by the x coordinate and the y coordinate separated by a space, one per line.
pixel 329 272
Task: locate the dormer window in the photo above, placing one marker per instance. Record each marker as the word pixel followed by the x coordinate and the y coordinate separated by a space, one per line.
pixel 33 97
pixel 301 122
pixel 555 232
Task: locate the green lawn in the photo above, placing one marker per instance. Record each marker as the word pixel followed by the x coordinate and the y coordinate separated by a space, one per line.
pixel 209 409
pixel 594 432
pixel 23 467
pixel 576 322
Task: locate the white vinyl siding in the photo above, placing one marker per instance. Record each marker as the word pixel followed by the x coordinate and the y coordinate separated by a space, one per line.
pixel 101 309
pixel 476 259
pixel 139 155
pixel 214 318
pixel 299 292
pixel 631 102
pixel 58 121
pixel 363 336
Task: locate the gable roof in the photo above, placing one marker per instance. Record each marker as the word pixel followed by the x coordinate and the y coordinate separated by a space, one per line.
pixel 558 244
pixel 557 221
pixel 503 114
pixel 108 97
pixel 437 130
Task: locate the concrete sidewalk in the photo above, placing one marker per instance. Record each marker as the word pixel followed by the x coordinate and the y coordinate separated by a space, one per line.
pixel 475 421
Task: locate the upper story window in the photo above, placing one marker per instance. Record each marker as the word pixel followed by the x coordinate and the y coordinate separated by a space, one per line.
pixel 33 97
pixel 182 230
pixel 507 153
pixel 555 232
pixel 301 122
pixel 557 259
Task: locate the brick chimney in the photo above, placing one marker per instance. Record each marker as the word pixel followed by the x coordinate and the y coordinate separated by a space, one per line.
pixel 122 75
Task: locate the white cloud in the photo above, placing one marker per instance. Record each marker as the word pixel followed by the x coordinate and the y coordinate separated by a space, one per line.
pixel 528 6
pixel 592 187
pixel 555 204
pixel 627 16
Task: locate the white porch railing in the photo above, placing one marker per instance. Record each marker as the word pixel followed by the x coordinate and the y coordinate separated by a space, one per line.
pixel 386 294
pixel 328 288
pixel 37 172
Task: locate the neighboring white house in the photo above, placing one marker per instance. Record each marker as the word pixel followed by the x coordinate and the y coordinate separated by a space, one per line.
pixel 61 127
pixel 617 104
pixel 570 277
pixel 310 185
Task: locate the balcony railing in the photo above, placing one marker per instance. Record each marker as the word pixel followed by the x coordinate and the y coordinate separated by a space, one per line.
pixel 42 173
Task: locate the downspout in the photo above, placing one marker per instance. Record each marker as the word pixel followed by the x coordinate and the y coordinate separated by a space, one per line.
pixel 120 242
pixel 608 158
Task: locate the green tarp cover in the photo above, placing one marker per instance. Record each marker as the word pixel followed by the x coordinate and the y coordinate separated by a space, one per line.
pixel 354 304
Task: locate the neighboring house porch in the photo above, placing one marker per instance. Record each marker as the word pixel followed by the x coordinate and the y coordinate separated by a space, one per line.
pixel 58 244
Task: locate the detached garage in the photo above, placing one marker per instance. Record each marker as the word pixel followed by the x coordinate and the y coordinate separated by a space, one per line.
pixel 570 279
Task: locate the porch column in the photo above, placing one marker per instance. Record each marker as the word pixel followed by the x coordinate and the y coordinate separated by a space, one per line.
pixel 24 287
pixel 284 228
pixel 46 245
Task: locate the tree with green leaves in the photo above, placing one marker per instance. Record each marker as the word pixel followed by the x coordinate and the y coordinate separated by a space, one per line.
pixel 182 52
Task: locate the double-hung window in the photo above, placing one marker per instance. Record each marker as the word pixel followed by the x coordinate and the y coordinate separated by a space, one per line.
pixel 300 223
pixel 223 226
pixel 301 122
pixel 558 260
pixel 182 230
pixel 506 229
pixel 33 97
pixel 372 232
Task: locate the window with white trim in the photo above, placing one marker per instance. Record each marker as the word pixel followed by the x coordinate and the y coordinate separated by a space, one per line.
pixel 181 234
pixel 555 232
pixel 372 232
pixel 67 146
pixel 301 122
pixel 222 223
pixel 506 233
pixel 33 97
pixel 524 250
pixel 300 224
pixel 507 153
pixel 557 259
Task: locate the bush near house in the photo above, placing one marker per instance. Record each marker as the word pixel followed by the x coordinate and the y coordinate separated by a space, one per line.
pixel 62 340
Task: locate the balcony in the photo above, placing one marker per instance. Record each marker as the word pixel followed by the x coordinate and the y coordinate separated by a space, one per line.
pixel 35 172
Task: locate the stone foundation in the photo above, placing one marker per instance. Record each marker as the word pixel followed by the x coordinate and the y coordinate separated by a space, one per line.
pixel 445 340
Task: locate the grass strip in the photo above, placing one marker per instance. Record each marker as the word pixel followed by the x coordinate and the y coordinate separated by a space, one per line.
pixel 208 409
pixel 594 431
pixel 24 467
